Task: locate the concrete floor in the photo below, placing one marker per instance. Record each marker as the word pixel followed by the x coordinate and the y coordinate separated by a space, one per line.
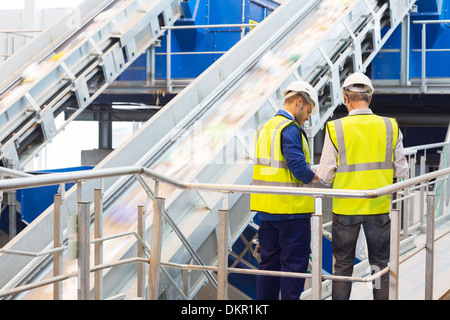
pixel 412 271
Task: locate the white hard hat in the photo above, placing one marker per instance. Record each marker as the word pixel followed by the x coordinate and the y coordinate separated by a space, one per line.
pixel 358 82
pixel 307 89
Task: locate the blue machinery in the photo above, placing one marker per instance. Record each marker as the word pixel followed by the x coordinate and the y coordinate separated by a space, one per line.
pixel 117 49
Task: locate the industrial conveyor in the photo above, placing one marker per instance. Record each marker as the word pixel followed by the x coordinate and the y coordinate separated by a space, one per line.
pixel 206 134
pixel 70 65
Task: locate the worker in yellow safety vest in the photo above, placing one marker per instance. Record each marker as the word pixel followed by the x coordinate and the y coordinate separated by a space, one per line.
pixel 282 158
pixel 361 151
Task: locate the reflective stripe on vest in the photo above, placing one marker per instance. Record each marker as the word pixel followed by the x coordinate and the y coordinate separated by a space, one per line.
pixel 343 164
pixel 271 169
pixel 271 162
pixel 365 145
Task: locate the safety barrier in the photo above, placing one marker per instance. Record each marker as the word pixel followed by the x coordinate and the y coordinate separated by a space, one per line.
pixel 79 240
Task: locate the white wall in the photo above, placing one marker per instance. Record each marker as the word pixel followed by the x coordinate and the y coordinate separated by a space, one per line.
pixel 31 18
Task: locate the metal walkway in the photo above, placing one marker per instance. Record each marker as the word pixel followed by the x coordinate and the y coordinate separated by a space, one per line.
pixel 205 133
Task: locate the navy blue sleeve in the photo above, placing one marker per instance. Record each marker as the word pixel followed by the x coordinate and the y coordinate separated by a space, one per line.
pixel 292 149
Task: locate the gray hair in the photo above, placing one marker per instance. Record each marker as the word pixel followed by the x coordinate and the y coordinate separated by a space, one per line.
pixel 358 96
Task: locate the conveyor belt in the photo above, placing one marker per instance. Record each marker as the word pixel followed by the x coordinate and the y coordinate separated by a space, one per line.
pixel 69 65
pixel 205 133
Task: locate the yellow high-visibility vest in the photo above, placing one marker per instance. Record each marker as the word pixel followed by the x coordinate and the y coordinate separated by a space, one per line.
pixel 271 169
pixel 365 160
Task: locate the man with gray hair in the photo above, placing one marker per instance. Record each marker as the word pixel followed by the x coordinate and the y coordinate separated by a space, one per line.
pixel 362 151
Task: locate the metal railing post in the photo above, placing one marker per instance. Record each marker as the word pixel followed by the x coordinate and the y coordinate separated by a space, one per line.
pixel 155 253
pixel 394 259
pixel 422 188
pixel 169 61
pixel 429 249
pixel 140 253
pixel 406 213
pixel 424 45
pixel 98 246
pixel 84 245
pixel 57 242
pixel 222 255
pixel 186 276
pixel 11 197
pixel 405 51
pixel 447 165
pixel 316 248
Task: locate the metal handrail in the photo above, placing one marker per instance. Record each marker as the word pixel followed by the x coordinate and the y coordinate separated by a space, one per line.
pixel 68 177
pixel 169 52
pixel 430 21
pixel 424 50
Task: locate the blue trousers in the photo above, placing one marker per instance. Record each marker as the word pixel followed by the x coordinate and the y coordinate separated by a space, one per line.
pixel 284 246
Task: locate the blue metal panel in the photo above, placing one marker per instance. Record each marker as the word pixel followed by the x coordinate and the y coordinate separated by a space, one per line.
pixel 386 65
pixel 427 10
pixel 201 12
pixel 245 283
pixel 229 11
pixel 34 201
pixel 196 14
pixel 260 9
pixel 206 40
pixel 136 71
pixel 188 9
pixel 429 7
